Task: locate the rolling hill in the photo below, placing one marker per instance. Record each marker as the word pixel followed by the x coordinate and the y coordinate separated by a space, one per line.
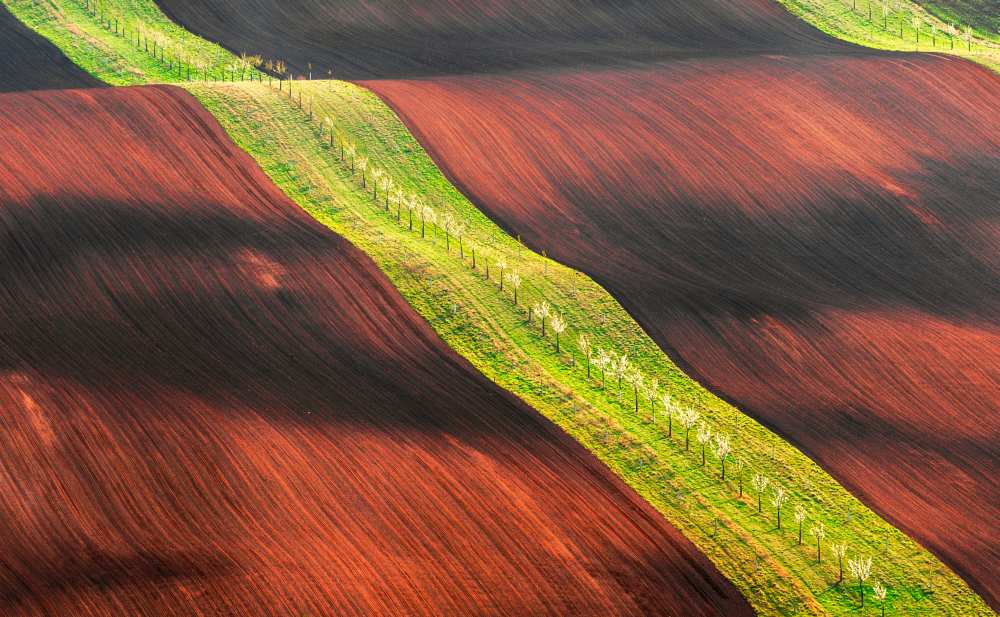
pixel 807 226
pixel 215 406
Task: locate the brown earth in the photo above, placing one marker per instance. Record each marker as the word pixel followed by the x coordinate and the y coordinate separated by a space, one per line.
pixel 212 405
pixel 810 228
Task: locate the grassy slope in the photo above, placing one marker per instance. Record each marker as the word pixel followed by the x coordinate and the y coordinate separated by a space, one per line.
pixel 841 19
pixel 472 316
pixel 982 15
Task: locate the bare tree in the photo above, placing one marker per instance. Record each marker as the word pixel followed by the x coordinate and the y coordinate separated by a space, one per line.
pixel 558 324
pixel 583 344
pixel 818 531
pixel 880 594
pixel 800 518
pixel 779 499
pixel 839 551
pixel 515 283
pixel 704 437
pixel 760 483
pixel 740 468
pixel 722 450
pixel 861 569
pixel 688 417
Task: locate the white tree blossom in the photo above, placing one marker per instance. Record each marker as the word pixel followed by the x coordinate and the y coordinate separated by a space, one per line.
pixel 688 417
pixel 558 324
pixel 722 450
pixel 800 518
pixel 818 531
pixel 779 499
pixel 704 437
pixel 542 309
pixel 760 483
pixel 501 266
pixel 514 278
pixel 603 362
pixel 635 378
pixel 620 368
pixel 861 569
pixel 880 594
pixel 839 551
pixel 583 343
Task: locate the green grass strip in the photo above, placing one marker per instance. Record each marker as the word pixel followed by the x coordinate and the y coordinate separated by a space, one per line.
pixel 471 314
pixel 904 26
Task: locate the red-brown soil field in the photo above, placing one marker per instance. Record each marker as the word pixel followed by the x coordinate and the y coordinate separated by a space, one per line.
pixel 811 229
pixel 29 62
pixel 212 405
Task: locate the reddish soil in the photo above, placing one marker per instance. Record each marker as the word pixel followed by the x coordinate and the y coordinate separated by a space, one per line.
pixel 379 39
pixel 212 405
pixel 811 229
pixel 29 62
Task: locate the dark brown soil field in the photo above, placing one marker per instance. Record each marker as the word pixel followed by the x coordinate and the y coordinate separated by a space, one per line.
pixel 29 62
pixel 811 229
pixel 212 405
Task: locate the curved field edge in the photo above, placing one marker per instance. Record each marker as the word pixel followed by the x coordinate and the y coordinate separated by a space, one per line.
pixel 904 26
pixel 483 325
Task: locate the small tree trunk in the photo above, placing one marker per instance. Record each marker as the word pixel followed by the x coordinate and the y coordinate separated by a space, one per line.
pixel 557 342
pixel 758 503
pixel 635 393
pixel 687 439
pixel 800 534
pixel 819 554
pixel 741 484
pixel 779 518
pixel 723 469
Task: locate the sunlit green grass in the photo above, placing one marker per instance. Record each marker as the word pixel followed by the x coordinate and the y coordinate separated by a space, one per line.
pixel 849 20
